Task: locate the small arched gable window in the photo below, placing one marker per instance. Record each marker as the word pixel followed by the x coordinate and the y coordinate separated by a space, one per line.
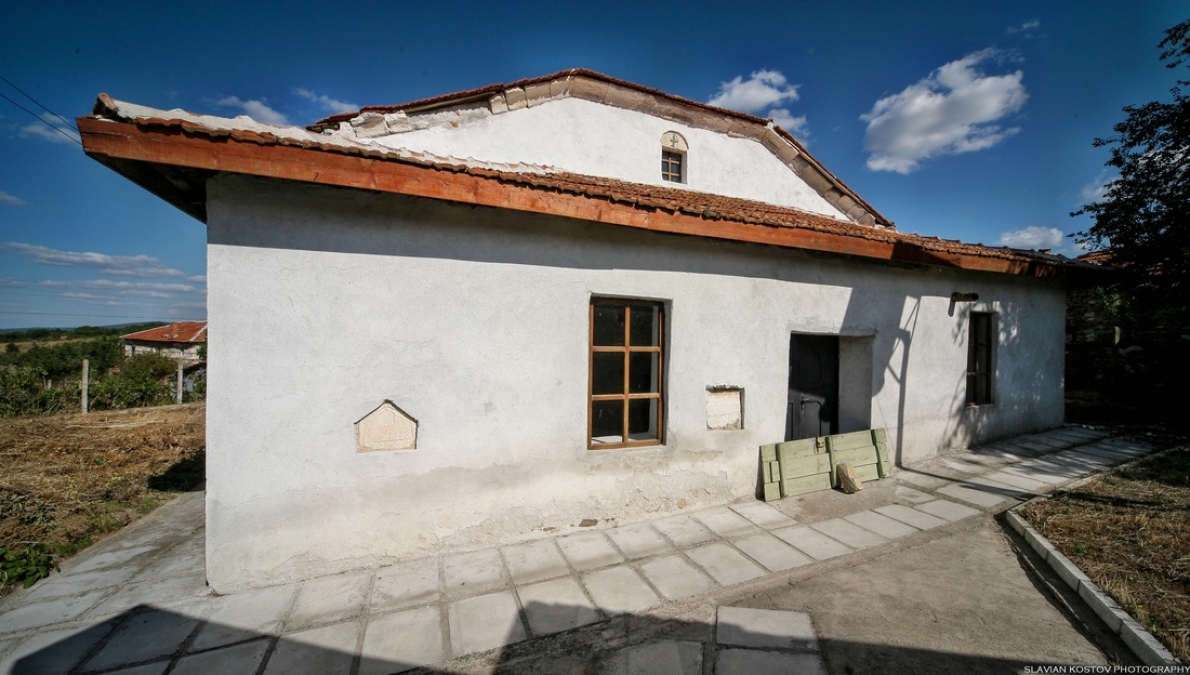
pixel 673 157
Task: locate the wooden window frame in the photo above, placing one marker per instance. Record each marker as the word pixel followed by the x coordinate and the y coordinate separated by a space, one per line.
pixel 673 166
pixel 625 395
pixel 981 359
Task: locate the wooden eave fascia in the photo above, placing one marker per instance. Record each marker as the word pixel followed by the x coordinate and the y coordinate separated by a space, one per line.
pixel 116 144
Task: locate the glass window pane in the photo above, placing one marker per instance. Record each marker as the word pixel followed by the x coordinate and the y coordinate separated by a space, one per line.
pixel 607 421
pixel 642 419
pixel 642 377
pixel 608 374
pixel 646 324
pixel 609 325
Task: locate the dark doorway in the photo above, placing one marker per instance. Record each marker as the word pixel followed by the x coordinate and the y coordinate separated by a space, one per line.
pixel 813 386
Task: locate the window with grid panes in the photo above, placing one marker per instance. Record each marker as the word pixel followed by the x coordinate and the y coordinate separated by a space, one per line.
pixel 625 402
pixel 671 166
pixel 981 351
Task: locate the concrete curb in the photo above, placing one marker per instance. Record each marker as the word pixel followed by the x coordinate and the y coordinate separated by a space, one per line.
pixel 1142 643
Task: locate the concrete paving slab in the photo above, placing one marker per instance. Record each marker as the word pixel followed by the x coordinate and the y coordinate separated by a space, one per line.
pixel 751 662
pixel 947 510
pixel 123 557
pixel 1046 473
pixel 639 541
pixel 909 516
pixel 402 640
pixel 620 590
pixel 49 612
pixel 684 531
pixel 147 669
pixel 765 629
pixel 589 551
pixel 54 651
pixel 908 494
pixel 725 564
pixel 1094 459
pixel 812 542
pixel 147 635
pixel 881 524
pixel 925 481
pixel 849 533
pixel 484 622
pixel 556 605
pixel 763 515
pixel 473 573
pixel 963 467
pixel 172 564
pixel 242 658
pixel 664 657
pixel 975 494
pixel 1018 481
pixel 185 590
pixel 234 618
pixel 329 650
pixel 534 561
pixel 406 585
pixel 726 523
pixel 1061 463
pixel 1107 455
pixel 774 554
pixel 330 599
pixel 675 577
pixel 82 582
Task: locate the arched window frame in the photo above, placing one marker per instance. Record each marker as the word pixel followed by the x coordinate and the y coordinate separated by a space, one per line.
pixel 674 156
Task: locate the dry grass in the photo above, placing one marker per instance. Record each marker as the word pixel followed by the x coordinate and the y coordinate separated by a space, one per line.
pixel 1129 531
pixel 67 480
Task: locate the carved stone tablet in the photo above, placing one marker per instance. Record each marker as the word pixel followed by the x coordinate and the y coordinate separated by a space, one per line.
pixel 386 428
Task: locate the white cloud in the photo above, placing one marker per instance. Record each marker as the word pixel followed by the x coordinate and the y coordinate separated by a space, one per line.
pixel 122 287
pixel 763 89
pixel 1025 27
pixel 257 110
pixel 327 103
pixel 1096 190
pixel 11 200
pixel 58 134
pixel 794 125
pixel 143 266
pixel 1034 237
pixel 952 111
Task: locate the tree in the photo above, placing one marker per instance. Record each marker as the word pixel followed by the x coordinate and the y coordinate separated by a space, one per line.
pixel 1143 216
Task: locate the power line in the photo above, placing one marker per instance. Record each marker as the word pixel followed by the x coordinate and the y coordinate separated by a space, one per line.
pixel 64 120
pixel 37 117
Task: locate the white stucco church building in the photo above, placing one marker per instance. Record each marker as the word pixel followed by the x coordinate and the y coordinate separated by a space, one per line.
pixel 470 319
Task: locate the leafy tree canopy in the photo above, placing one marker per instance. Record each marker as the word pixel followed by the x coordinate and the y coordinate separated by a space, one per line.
pixel 1143 216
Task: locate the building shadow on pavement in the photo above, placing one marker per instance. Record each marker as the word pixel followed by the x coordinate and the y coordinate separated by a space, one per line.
pixel 150 641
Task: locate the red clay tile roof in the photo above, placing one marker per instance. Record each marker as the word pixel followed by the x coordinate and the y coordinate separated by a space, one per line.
pixel 594 86
pixel 182 331
pixel 173 154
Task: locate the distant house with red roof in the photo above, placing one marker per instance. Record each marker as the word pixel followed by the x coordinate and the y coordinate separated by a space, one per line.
pixel 179 340
pixel 458 322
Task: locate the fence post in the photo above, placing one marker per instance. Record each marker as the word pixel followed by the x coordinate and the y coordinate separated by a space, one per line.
pixel 179 381
pixel 86 382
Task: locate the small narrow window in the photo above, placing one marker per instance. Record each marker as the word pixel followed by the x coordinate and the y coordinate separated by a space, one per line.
pixel 673 157
pixel 626 360
pixel 981 351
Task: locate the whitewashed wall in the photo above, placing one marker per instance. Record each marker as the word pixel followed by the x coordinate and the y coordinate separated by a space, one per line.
pixel 325 302
pixel 600 140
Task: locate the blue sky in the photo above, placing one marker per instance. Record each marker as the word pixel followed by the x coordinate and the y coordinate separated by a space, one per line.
pixel 970 121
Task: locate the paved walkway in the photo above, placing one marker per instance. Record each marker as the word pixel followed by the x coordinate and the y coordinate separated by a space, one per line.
pixel 136 603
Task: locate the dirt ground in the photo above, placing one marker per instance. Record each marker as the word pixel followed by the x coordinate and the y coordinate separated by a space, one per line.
pixel 67 480
pixel 1129 531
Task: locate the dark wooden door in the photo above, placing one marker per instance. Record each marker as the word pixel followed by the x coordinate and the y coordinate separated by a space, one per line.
pixel 813 386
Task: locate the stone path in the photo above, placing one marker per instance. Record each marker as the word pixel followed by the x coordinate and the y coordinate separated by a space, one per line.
pixel 136 604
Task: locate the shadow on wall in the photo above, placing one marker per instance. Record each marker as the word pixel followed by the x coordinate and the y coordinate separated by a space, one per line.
pixel 1023 389
pixel 151 640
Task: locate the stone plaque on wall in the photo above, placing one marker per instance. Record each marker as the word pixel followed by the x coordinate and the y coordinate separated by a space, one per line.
pixel 725 407
pixel 386 428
